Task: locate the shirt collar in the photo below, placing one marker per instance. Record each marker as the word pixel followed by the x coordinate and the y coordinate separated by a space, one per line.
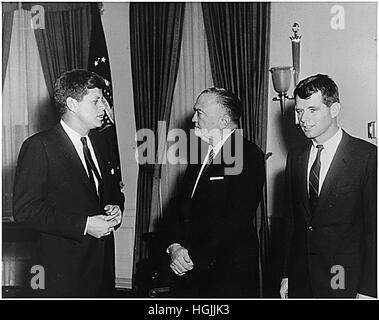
pixel 219 145
pixel 332 143
pixel 73 135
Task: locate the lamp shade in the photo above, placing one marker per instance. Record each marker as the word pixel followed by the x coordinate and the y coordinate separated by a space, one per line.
pixel 281 78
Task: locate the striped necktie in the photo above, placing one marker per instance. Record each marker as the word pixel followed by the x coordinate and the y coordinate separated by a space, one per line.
pixel 210 159
pixel 314 177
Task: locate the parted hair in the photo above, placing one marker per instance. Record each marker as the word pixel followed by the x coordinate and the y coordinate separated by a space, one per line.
pixel 75 84
pixel 315 83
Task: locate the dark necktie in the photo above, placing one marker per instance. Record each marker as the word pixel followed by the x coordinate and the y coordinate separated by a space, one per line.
pixel 314 177
pixel 210 159
pixel 92 170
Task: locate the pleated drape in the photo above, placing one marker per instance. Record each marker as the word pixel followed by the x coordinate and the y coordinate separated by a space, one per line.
pixel 7 16
pixel 194 75
pixel 155 33
pixel 65 41
pixel 26 107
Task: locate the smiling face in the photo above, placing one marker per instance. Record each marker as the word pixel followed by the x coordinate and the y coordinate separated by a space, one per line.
pixel 317 121
pixel 209 117
pixel 89 111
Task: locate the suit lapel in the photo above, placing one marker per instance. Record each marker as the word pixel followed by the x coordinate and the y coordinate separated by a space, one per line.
pixel 190 178
pixel 73 160
pixel 337 166
pixel 303 178
pixel 218 165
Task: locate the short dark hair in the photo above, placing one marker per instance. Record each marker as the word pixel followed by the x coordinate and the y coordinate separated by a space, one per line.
pixel 75 84
pixel 315 83
pixel 228 100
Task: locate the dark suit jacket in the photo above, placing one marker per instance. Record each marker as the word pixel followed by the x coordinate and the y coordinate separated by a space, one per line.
pixel 52 194
pixel 341 231
pixel 216 225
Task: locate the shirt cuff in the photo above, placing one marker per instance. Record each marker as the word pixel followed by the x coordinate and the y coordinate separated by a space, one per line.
pixel 363 296
pixel 170 246
pixel 85 229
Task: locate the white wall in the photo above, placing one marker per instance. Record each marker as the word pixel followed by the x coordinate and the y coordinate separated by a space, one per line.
pixel 348 56
pixel 116 27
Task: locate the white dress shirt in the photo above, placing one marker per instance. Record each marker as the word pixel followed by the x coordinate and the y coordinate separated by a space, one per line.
pixel 75 139
pixel 326 157
pixel 216 150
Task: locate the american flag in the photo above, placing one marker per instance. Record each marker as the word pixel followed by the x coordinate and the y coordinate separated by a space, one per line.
pixel 99 65
pixel 99 62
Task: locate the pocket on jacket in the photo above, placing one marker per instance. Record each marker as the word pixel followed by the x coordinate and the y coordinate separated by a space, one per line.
pixel 216 178
pixel 343 189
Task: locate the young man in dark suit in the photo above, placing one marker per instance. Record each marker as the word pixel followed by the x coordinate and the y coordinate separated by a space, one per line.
pixel 214 247
pixel 331 203
pixel 64 189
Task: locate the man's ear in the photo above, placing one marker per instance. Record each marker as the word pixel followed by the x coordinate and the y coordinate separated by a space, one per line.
pixel 224 121
pixel 335 109
pixel 71 104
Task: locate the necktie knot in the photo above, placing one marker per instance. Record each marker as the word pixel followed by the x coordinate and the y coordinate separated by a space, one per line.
pixel 319 147
pixel 84 141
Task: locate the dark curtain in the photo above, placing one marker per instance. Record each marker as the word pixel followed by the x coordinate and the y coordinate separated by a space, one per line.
pixel 155 40
pixel 7 16
pixel 238 36
pixel 65 41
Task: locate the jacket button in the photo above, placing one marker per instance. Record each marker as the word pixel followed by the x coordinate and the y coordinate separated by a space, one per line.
pixel 310 228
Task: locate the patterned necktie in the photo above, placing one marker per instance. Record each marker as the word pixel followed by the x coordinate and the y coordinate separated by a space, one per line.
pixel 92 170
pixel 314 177
pixel 210 159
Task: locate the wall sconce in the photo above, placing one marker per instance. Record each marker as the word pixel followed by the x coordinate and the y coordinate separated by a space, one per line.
pixel 281 79
pixel 295 42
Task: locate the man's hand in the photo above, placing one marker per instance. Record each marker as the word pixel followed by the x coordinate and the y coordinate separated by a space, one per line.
pixel 98 226
pixel 180 260
pixel 113 214
pixel 284 288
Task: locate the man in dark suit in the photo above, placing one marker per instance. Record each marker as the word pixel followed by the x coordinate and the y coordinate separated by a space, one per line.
pixel 64 188
pixel 214 247
pixel 331 203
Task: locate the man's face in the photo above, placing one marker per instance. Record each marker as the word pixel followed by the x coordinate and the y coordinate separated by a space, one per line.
pixel 316 119
pixel 207 117
pixel 90 110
